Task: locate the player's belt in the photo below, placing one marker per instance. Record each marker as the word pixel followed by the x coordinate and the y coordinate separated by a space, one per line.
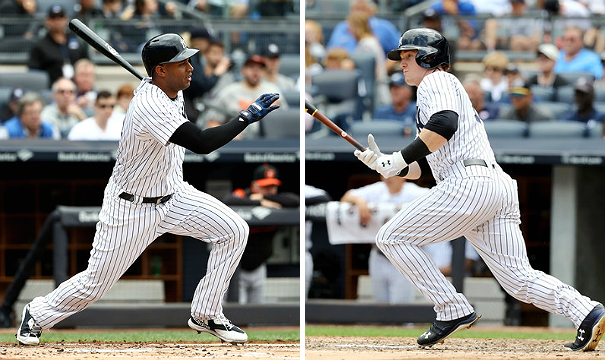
pixel 146 200
pixel 470 162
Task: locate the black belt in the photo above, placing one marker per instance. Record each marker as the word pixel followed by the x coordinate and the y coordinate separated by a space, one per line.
pixel 146 200
pixel 470 162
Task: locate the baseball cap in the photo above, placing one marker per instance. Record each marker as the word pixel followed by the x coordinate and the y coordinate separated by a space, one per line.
pixel 56 11
pixel 552 6
pixel 519 88
pixel 430 14
pixel 511 68
pixel 548 50
pixel 271 51
pixel 16 94
pixel 200 32
pixel 266 175
pixel 584 85
pixel 397 79
pixel 254 59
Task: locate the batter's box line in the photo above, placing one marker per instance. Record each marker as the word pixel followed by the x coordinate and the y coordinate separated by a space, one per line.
pixel 378 346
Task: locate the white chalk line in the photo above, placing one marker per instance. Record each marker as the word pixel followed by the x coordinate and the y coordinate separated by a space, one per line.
pixel 377 346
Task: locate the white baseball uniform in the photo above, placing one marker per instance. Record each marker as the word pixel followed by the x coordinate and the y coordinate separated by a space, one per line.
pixel 479 202
pixel 148 165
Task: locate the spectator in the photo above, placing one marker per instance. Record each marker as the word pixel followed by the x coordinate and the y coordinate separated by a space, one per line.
pixel 87 9
pixel 367 43
pixel 263 191
pixel 512 73
pixel 57 51
pixel 388 285
pixel 239 95
pixel 569 13
pixel 123 96
pixel 101 126
pixel 84 78
pixel 142 23
pixel 523 106
pixel 338 58
pixel 519 33
pixel 384 30
pixel 25 10
pixel 12 104
pixel 485 110
pixel 494 8
pixel 547 55
pixel 199 38
pixel 494 83
pixel 432 20
pixel 574 57
pixel 28 123
pixel 314 39
pixel 271 55
pixel 63 113
pixel 584 99
pixel 468 38
pixel 112 9
pixel 402 107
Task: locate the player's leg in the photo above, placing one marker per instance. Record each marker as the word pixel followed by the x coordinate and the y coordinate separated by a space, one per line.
pixel 443 214
pixel 118 242
pixel 258 280
pixel 202 216
pixel 501 245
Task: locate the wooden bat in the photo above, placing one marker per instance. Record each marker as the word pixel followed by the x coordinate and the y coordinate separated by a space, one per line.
pixel 311 110
pixel 94 40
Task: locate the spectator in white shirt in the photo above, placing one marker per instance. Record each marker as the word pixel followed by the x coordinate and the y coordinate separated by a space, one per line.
pixel 100 126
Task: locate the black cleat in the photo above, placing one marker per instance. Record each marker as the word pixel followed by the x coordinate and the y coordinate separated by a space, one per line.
pixel 29 332
pixel 440 330
pixel 220 327
pixel 590 331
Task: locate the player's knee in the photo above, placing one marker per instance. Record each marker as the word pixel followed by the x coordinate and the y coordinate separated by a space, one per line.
pixel 240 232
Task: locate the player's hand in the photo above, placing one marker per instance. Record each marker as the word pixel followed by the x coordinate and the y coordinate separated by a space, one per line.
pixel 369 155
pixel 259 108
pixel 390 165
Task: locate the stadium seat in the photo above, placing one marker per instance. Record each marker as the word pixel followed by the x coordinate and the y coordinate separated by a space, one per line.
pixel 366 64
pixel 290 65
pixel 595 130
pixel 360 129
pixel 503 128
pixel 599 106
pixel 565 94
pixel 340 89
pixel 34 80
pixel 572 76
pixel 282 124
pixel 557 129
pixel 558 109
pixel 599 94
pixel 543 93
pixel 292 98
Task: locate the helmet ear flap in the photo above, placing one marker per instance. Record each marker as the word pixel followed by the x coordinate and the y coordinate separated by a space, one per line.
pixel 426 61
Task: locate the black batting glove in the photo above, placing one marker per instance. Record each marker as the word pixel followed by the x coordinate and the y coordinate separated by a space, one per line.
pixel 259 108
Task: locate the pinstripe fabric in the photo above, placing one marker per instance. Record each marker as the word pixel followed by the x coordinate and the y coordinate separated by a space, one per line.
pixel 478 202
pixel 147 165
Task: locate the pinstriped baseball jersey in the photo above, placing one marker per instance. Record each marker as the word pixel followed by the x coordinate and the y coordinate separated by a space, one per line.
pixel 146 163
pixel 443 91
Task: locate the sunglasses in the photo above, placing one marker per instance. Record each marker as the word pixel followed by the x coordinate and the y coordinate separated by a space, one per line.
pixel 105 106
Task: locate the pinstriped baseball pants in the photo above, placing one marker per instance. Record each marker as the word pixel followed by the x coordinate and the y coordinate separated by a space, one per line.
pixel 124 231
pixel 480 203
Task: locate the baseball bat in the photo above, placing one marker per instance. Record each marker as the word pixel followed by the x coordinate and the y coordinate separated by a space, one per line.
pixel 312 110
pixel 94 40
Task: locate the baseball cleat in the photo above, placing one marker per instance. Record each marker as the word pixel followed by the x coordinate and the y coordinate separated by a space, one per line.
pixel 29 332
pixel 220 327
pixel 590 331
pixel 440 330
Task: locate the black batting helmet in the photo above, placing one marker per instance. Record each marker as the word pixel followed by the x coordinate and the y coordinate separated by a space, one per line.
pixel 433 49
pixel 165 48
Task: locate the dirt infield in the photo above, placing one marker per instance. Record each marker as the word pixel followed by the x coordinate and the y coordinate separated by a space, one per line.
pixel 383 348
pixel 148 351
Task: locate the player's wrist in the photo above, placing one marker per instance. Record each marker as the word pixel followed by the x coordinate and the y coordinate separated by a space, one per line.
pixel 399 161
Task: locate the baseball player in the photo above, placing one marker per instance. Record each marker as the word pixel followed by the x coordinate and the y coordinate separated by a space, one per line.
pixel 473 198
pixel 147 197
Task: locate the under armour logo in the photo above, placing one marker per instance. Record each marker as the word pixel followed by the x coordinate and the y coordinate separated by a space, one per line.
pixel 580 333
pixel 427 334
pixel 385 163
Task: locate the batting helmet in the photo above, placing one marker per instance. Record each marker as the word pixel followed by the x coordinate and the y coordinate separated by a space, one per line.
pixel 165 48
pixel 433 49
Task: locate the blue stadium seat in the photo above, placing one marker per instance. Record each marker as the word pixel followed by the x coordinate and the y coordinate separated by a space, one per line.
pixel 340 89
pixel 34 80
pixel 360 129
pixel 503 128
pixel 558 109
pixel 572 76
pixel 557 129
pixel 282 124
pixel 543 93
pixel 565 94
pixel 290 65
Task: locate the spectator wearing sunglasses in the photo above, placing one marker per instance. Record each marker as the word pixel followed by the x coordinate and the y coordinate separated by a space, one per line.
pixel 100 126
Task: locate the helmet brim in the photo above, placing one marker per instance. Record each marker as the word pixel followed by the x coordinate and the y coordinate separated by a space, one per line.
pixel 395 54
pixel 183 55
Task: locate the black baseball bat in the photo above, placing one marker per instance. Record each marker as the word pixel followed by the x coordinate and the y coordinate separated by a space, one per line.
pixel 94 40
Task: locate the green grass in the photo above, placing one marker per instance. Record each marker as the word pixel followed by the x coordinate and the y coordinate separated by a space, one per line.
pixel 153 336
pixel 370 331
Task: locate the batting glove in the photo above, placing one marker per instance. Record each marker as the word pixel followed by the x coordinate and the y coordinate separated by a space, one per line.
pixel 369 155
pixel 390 165
pixel 259 108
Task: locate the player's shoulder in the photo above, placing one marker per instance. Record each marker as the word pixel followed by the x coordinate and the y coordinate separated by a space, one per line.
pixel 438 81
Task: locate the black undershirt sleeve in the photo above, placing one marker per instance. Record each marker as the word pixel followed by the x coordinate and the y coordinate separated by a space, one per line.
pixel 444 123
pixel 191 137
